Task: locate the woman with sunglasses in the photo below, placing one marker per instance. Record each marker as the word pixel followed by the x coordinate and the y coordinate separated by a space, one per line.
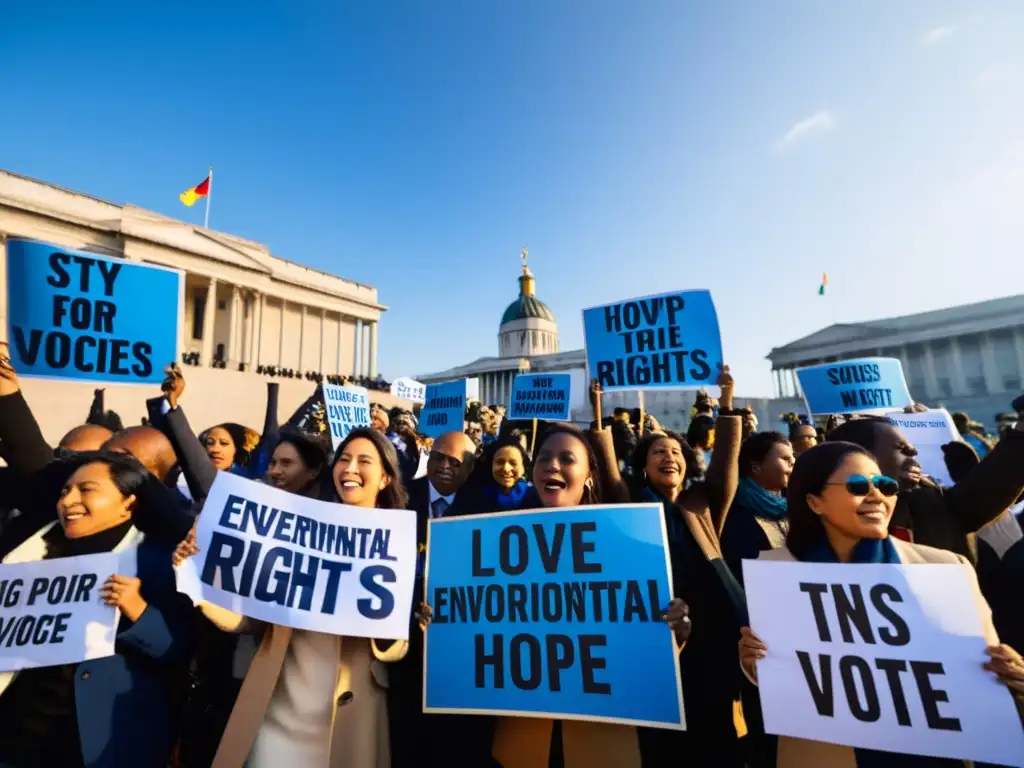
pixel 839 510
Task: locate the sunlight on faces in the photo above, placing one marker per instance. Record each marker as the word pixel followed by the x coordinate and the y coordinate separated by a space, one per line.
pixel 288 471
pixel 91 503
pixel 561 471
pixel 220 448
pixel 87 437
pixel 773 472
pixel 847 516
pixel 359 474
pixel 804 438
pixel 665 466
pixel 450 461
pixel 507 467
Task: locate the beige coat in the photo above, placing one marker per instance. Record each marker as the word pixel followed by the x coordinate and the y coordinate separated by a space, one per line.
pixel 803 753
pixel 359 731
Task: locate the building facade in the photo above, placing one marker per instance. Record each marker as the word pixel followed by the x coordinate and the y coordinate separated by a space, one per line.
pixel 244 309
pixel 967 358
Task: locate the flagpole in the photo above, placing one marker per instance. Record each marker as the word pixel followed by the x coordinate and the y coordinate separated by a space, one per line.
pixel 209 194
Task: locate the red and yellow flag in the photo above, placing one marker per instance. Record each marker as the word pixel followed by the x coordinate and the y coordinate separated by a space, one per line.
pixel 201 190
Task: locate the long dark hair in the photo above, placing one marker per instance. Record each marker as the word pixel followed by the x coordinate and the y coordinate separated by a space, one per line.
pixel 590 495
pixel 313 450
pixel 811 472
pixel 392 497
pixel 643 448
pixel 756 448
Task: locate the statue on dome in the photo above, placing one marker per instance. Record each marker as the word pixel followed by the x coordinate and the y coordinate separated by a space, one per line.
pixel 524 255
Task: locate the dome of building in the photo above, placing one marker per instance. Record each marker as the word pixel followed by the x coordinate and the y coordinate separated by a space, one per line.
pixel 527 306
pixel 528 326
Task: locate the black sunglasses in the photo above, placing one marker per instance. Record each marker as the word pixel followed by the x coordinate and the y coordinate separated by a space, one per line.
pixel 860 485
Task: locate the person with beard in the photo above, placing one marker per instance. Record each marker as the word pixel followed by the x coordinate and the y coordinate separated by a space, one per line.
pixel 946 518
pixel 123 709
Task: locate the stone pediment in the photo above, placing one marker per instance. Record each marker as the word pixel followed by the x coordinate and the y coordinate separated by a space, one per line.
pixel 834 334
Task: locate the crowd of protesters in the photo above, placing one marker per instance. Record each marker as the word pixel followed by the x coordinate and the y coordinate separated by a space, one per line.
pixel 194 685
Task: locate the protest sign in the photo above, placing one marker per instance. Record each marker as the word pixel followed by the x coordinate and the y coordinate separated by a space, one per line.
pixel 879 657
pixel 540 396
pixel 347 408
pixel 85 317
pixel 854 386
pixel 552 613
pixel 928 432
pixel 409 389
pixel 51 611
pixel 445 408
pixel 668 341
pixel 303 563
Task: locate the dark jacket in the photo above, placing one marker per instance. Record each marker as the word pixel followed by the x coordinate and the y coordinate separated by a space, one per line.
pixel 746 534
pixel 128 705
pixel 948 518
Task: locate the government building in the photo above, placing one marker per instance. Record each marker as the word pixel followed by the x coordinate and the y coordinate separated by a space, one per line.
pixel 968 358
pixel 243 310
pixel 528 343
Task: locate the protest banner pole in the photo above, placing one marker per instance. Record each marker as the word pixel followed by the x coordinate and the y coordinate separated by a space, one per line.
pixel 533 437
pixel 640 397
pixel 209 194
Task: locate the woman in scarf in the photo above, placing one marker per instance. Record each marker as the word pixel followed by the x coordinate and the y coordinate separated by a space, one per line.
pixel 123 709
pixel 503 473
pixel 312 699
pixel 840 506
pixel 565 474
pixel 665 471
pixel 757 519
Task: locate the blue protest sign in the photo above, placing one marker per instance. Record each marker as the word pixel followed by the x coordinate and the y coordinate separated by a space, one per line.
pixel 347 408
pixel 445 408
pixel 85 317
pixel 865 384
pixel 552 613
pixel 668 341
pixel 540 396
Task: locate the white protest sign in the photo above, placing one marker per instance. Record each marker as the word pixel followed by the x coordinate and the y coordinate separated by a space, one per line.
pixel 51 611
pixel 409 389
pixel 303 563
pixel 928 432
pixel 885 657
pixel 347 408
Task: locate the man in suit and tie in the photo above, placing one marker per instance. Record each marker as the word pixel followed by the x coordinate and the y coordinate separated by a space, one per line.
pixel 418 740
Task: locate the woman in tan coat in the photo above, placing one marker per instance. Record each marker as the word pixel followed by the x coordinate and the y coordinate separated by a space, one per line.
pixel 839 511
pixel 310 699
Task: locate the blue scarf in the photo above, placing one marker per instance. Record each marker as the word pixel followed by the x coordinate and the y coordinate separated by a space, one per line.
pixel 511 500
pixel 763 503
pixel 866 551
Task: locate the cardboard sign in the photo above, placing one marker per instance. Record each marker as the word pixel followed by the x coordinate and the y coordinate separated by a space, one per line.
pixel 307 564
pixel 85 317
pixel 668 341
pixel 552 613
pixel 855 386
pixel 879 656
pixel 445 408
pixel 347 408
pixel 541 396
pixel 409 389
pixel 928 432
pixel 51 611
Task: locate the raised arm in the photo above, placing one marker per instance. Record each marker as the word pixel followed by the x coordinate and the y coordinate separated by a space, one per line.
pixel 195 464
pixel 25 448
pixel 259 461
pixel 616 490
pixel 992 486
pixel 723 476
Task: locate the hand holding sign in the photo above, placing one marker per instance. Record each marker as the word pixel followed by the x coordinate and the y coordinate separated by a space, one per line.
pixel 124 592
pixel 752 650
pixel 1007 665
pixel 173 386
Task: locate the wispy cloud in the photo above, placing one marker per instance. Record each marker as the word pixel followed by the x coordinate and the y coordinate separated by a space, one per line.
pixel 820 122
pixel 937 35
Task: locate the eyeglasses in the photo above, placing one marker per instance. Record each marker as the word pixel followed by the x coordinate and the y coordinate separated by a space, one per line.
pixel 859 485
pixel 441 458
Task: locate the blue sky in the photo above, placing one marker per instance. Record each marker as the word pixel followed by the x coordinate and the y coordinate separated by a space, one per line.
pixel 635 148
